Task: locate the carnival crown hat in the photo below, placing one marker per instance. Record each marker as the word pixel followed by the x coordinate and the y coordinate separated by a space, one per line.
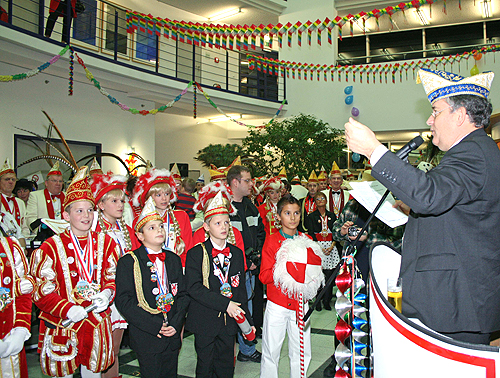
pixel 296 180
pixel 322 176
pixel 102 184
pixel 274 183
pixel 147 180
pixel 6 168
pixel 201 179
pixel 303 180
pixel 216 173
pixel 209 191
pixel 95 168
pixel 147 214
pixel 216 207
pixel 313 177
pixel 236 161
pixel 55 170
pixel 79 189
pixel 335 169
pixel 440 84
pixel 176 174
pixel 282 174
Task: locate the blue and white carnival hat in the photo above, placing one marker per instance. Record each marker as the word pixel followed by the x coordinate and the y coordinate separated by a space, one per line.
pixel 440 84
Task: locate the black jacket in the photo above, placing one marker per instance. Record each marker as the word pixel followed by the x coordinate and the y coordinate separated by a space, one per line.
pixel 143 326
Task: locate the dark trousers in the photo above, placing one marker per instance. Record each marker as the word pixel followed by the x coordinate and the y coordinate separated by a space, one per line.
pixel 215 355
pixel 60 12
pixel 258 304
pixel 327 298
pixel 158 365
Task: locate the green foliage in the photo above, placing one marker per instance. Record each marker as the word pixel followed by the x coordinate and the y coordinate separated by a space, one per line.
pixel 218 154
pixel 300 144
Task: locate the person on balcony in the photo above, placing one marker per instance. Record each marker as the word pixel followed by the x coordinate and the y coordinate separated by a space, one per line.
pixel 57 9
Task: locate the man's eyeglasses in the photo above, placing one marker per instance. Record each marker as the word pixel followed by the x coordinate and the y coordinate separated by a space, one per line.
pixel 248 181
pixel 436 113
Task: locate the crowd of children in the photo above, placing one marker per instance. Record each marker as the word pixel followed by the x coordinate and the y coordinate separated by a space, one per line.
pixel 129 258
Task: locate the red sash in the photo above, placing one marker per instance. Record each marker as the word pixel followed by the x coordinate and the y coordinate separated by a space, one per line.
pixel 15 212
pixel 50 206
pixel 332 203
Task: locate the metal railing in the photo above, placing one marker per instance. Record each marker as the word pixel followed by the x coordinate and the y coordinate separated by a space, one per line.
pixel 101 31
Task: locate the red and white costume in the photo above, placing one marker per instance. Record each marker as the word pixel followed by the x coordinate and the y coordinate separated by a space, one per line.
pixel 288 272
pixel 268 209
pixel 15 305
pixel 174 236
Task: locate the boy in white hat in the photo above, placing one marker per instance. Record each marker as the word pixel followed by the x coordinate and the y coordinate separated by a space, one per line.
pixel 151 295
pixel 215 274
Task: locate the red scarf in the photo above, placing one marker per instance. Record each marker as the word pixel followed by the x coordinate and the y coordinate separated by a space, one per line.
pixel 15 211
pixel 48 201
pixel 310 205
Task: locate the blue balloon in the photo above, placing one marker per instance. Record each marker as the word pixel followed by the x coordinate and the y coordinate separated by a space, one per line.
pixel 348 90
pixel 355 157
pixel 349 99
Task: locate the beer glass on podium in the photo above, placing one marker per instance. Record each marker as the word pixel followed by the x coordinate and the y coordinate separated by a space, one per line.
pixel 395 292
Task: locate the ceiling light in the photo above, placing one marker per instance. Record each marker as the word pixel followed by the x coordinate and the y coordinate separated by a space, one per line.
pixel 422 17
pixel 225 14
pixel 486 8
pixel 387 54
pixel 224 118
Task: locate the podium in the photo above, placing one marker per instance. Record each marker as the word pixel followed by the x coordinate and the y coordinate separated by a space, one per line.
pixel 405 347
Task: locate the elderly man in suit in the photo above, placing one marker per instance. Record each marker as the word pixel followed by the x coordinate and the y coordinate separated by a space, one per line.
pixel 450 256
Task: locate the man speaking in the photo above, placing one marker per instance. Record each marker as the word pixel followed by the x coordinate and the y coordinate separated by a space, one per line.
pixel 451 251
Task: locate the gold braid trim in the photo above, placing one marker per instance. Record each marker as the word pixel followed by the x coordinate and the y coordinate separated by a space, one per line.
pixel 205 267
pixel 138 288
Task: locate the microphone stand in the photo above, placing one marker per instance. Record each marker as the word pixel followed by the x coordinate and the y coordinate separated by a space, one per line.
pixel 349 251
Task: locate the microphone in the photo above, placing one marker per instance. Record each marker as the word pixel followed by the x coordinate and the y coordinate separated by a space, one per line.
pixel 408 147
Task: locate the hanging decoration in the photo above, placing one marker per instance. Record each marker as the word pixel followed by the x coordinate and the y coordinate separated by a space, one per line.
pixel 71 67
pixel 234 37
pixel 34 72
pixel 194 102
pixel 282 68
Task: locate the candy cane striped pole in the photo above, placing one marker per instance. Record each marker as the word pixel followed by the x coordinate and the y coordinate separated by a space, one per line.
pixel 301 334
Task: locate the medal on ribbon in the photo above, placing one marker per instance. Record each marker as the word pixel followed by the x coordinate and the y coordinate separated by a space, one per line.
pixel 164 302
pixel 225 288
pixel 84 291
pixel 5 298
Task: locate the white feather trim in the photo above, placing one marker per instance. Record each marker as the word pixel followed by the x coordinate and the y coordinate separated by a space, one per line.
pixel 145 179
pixel 295 251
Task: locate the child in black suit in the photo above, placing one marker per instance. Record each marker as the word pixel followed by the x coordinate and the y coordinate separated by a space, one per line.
pixel 215 276
pixel 151 295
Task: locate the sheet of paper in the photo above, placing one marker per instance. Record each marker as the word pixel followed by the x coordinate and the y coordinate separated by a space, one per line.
pixel 369 193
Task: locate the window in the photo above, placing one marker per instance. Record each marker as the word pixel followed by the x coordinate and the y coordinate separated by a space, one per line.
pixel 84 25
pixel 145 46
pixel 110 14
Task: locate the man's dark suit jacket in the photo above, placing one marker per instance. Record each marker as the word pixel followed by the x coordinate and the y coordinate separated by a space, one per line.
pixel 208 305
pixel 451 251
pixel 143 326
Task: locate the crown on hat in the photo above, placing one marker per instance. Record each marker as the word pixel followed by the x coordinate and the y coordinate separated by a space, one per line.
pixel 440 84
pixel 147 214
pixel 216 173
pixel 95 168
pixel 274 183
pixel 79 189
pixel 176 174
pixel 236 161
pixel 55 171
pixel 313 177
pixel 210 191
pixel 296 179
pixel 216 207
pixel 201 178
pixel 147 180
pixel 7 168
pixel 282 174
pixel 322 176
pixel 303 180
pixel 102 184
pixel 335 169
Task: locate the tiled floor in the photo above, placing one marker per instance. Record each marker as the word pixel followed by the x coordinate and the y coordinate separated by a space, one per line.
pixel 322 323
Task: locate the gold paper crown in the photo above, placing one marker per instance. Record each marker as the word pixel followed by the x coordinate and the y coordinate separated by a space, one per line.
pixel 282 174
pixel 55 171
pixel 176 174
pixel 147 214
pixel 322 176
pixel 79 189
pixel 440 84
pixel 216 207
pixel 335 169
pixel 95 168
pixel 7 168
pixel 303 180
pixel 313 177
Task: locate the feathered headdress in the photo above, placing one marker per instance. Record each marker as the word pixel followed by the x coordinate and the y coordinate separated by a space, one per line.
pixel 210 191
pixel 147 180
pixel 102 184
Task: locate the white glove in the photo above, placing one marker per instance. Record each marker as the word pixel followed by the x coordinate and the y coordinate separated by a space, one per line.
pixel 15 341
pixel 77 313
pixel 101 300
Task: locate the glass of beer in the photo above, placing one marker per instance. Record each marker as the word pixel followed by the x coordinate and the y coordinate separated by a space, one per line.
pixel 395 292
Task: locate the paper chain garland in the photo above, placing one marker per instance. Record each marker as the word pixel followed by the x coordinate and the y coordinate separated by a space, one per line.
pixel 36 71
pixel 280 67
pixel 237 37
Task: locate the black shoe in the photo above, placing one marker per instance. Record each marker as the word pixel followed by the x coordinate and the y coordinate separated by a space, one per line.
pixel 330 370
pixel 258 333
pixel 318 307
pixel 255 357
pixel 327 307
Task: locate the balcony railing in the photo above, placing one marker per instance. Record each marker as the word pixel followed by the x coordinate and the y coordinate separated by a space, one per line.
pixel 101 31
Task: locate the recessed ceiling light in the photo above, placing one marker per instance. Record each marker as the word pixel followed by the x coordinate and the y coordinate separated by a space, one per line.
pixel 224 14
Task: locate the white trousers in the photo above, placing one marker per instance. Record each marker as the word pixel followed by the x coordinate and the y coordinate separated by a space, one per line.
pixel 277 321
pixel 86 373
